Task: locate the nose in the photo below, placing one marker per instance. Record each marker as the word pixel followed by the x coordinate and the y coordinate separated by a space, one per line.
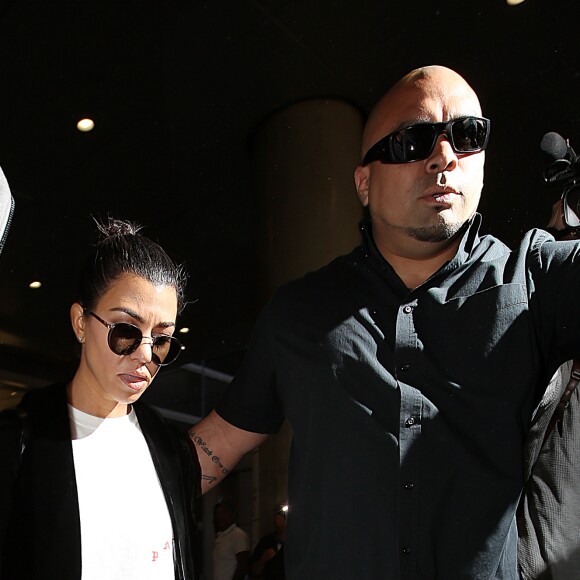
pixel 144 352
pixel 442 158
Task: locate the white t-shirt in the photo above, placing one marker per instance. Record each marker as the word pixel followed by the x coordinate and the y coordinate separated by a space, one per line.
pixel 126 530
pixel 227 544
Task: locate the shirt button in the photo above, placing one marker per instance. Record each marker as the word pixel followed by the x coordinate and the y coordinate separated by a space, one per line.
pixel 409 485
pixel 406 550
pixel 407 310
pixel 410 422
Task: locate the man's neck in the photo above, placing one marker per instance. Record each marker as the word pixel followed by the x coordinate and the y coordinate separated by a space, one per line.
pixel 415 261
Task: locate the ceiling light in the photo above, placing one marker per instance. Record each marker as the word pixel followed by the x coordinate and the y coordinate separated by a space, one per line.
pixel 184 330
pixel 85 125
pixel 514 2
pixel 34 285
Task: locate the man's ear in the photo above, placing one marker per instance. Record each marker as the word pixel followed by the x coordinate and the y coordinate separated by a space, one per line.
pixel 77 321
pixel 361 180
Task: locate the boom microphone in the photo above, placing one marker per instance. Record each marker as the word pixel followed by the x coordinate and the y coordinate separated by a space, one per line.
pixel 566 167
pixel 554 145
pixel 566 171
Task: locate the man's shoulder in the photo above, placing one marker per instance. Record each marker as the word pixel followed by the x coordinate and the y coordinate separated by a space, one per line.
pixel 531 245
pixel 241 539
pixel 542 252
pixel 239 531
pixel 236 537
pixel 326 278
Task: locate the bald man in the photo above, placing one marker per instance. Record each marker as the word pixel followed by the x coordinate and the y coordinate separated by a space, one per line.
pixel 409 369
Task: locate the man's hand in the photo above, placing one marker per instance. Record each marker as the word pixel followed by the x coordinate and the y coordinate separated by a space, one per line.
pixel 557 219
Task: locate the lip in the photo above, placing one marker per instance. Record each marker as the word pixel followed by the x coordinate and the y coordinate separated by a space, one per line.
pixel 441 195
pixel 134 381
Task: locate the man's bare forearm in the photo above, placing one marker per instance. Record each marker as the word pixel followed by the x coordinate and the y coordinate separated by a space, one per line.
pixel 213 470
pixel 219 447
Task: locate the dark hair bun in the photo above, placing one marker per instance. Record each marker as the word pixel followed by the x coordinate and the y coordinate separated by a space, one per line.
pixel 123 250
pixel 114 227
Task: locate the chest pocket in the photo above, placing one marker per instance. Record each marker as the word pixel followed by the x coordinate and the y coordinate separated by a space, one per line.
pixel 486 323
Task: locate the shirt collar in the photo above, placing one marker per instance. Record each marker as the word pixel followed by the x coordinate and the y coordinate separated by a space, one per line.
pixel 469 241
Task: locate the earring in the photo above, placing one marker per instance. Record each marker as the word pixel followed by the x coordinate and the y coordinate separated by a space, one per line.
pixel 80 339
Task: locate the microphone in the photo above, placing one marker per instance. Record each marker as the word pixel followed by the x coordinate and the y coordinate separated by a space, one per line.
pixel 554 145
pixel 566 166
pixel 565 170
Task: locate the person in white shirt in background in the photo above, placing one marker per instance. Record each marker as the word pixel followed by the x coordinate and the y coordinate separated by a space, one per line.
pixel 232 545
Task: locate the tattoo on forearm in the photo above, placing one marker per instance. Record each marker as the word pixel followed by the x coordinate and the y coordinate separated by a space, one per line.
pixel 214 458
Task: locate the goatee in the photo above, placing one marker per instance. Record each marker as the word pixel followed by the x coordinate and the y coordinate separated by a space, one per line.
pixel 437 233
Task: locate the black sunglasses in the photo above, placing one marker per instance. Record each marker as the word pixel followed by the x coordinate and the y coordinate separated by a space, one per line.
pixel 416 142
pixel 125 338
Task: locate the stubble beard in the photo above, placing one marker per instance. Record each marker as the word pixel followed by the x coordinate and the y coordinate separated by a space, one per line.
pixel 437 233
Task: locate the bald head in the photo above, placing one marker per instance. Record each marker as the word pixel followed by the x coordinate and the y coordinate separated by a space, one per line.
pixel 409 99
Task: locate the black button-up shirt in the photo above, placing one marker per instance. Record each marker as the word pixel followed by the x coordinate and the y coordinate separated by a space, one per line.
pixel 409 408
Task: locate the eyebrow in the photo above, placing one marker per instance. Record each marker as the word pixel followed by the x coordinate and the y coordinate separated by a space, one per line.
pixel 426 119
pixel 139 318
pixel 406 124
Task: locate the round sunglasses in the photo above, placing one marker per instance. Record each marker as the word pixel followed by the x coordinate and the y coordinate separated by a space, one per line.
pixel 124 338
pixel 416 142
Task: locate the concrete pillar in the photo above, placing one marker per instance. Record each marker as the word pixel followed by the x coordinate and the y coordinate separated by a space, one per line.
pixel 304 159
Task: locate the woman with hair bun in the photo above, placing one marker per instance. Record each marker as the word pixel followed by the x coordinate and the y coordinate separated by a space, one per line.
pixel 103 487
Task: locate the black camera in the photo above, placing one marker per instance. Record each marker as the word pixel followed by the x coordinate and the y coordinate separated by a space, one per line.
pixel 564 170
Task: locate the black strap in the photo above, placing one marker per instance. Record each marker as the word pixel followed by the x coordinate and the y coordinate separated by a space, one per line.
pixel 558 415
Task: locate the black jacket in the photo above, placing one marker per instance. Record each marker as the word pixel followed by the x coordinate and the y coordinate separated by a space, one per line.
pixel 6 209
pixel 42 535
